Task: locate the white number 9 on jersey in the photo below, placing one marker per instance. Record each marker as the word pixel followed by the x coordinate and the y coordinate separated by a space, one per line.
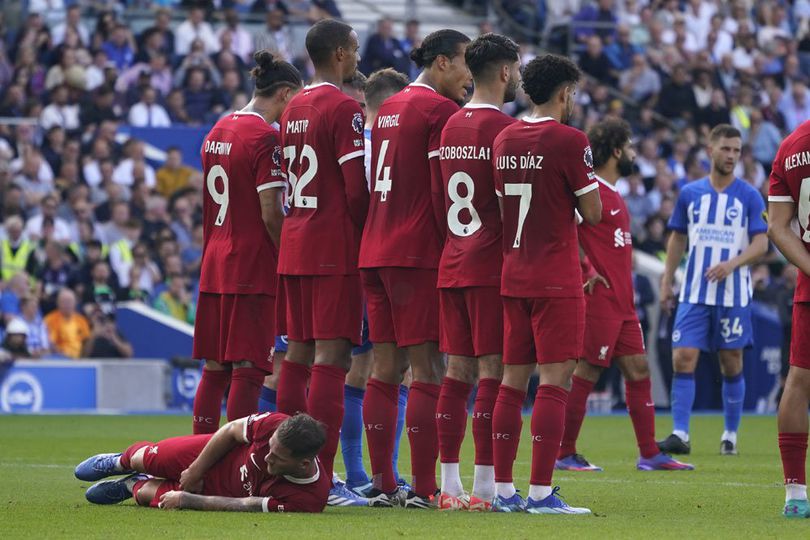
pixel 220 198
pixel 460 203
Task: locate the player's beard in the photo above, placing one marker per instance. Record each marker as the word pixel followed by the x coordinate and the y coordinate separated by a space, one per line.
pixel 721 169
pixel 625 166
pixel 511 91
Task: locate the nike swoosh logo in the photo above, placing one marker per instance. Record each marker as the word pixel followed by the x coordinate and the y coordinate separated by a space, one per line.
pixel 253 459
pixel 614 212
pixel 651 404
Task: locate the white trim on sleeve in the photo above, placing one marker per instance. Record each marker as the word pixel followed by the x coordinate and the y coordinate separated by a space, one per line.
pixel 780 198
pixel 244 430
pixel 578 217
pixel 352 155
pixel 433 154
pixel 265 503
pixel 586 189
pixel 270 185
pixel 498 193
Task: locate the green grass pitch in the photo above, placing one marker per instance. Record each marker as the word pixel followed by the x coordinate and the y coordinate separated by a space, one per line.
pixel 726 497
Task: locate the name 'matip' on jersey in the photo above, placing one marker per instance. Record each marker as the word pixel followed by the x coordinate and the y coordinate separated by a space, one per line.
pixel 719 227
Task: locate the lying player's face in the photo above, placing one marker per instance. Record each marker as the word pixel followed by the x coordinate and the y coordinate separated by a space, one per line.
pixel 513 83
pixel 725 154
pixel 279 460
pixel 457 77
pixel 352 57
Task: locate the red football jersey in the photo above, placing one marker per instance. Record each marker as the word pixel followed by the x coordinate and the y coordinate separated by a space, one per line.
pixel 609 247
pixel 243 473
pixel 401 229
pixel 472 251
pixel 541 167
pixel 321 129
pixel 240 156
pixel 790 182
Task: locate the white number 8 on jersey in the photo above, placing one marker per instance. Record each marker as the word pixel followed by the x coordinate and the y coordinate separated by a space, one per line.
pixel 460 203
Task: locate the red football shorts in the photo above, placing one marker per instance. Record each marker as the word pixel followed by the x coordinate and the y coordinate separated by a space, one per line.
pixel 235 328
pixel 170 457
pixel 403 305
pixel 470 321
pixel 800 337
pixel 542 330
pixel 606 339
pixel 323 307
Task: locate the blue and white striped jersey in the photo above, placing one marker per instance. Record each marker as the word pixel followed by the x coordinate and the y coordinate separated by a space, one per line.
pixel 719 227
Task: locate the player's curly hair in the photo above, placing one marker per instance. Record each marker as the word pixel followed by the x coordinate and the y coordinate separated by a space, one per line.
pixel 272 73
pixel 544 75
pixel 607 136
pixel 439 43
pixel 489 52
pixel 302 435
pixel 324 38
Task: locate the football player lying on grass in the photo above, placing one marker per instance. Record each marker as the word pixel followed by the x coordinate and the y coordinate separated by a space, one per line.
pixel 265 462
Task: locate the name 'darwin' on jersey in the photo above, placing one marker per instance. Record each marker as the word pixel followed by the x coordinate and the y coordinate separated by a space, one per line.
pixel 528 161
pixel 465 152
pixel 217 147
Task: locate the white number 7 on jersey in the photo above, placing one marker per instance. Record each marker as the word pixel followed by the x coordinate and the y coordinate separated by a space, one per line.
pixel 382 176
pixel 525 193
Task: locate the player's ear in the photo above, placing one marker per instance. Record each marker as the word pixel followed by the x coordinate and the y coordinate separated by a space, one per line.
pixel 506 73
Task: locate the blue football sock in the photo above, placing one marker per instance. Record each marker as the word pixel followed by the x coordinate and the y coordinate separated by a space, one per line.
pixel 351 436
pixel 267 400
pixel 683 398
pixel 733 399
pixel 403 402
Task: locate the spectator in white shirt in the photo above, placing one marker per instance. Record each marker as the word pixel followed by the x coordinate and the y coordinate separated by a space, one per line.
pixel 134 167
pixel 60 112
pixel 61 230
pixel 73 20
pixel 241 40
pixel 195 27
pixel 275 36
pixel 148 113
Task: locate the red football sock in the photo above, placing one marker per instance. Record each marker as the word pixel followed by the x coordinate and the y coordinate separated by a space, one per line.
pixel 793 447
pixel 292 388
pixel 326 405
pixel 420 417
pixel 380 420
pixel 506 426
pixel 126 456
pixel 642 412
pixel 243 399
pixel 482 420
pixel 548 423
pixel 208 401
pixel 164 487
pixel 575 414
pixel 451 418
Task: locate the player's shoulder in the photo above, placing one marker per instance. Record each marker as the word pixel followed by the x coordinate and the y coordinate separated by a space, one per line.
pixel 801 133
pixel 745 188
pixel 695 188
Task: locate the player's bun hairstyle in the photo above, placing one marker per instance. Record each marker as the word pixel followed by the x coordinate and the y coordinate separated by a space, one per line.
pixel 544 75
pixel 439 43
pixel 607 136
pixel 302 435
pixel 724 131
pixel 272 73
pixel 383 84
pixel 324 38
pixel 489 52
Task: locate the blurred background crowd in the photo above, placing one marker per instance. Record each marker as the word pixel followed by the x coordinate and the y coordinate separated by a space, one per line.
pixel 91 216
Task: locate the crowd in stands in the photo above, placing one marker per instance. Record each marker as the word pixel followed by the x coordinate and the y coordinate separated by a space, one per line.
pixel 88 220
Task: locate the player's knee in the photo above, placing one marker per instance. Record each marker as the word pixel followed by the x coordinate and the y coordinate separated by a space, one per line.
pixel 684 360
pixel 462 369
pixel 490 367
pixel 635 368
pixel 212 365
pixel 587 371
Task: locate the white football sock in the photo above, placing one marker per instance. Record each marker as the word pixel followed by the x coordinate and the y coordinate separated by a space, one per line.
pixel 451 481
pixel 505 489
pixel 538 493
pixel 795 491
pixel 682 435
pixel 730 436
pixel 484 482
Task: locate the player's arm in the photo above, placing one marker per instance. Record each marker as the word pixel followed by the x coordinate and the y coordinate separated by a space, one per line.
pixel 755 250
pixel 349 144
pixel 181 500
pixel 437 197
pixel 589 205
pixel 272 213
pixel 676 247
pixel 356 187
pixel 780 216
pixel 224 440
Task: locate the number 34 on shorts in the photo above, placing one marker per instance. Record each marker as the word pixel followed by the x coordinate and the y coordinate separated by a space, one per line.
pixel 711 328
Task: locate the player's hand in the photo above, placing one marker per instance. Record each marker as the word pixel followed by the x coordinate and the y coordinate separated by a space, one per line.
pixel 590 285
pixel 719 271
pixel 667 297
pixel 173 500
pixel 191 481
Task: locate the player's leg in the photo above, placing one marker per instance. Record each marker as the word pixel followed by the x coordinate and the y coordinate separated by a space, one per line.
pixel 731 366
pixel 582 382
pixel 351 433
pixel 382 389
pixel 208 400
pixel 147 492
pixel 295 370
pixel 402 407
pixel 793 427
pixel 490 374
pixel 210 338
pixel 246 387
pixel 551 319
